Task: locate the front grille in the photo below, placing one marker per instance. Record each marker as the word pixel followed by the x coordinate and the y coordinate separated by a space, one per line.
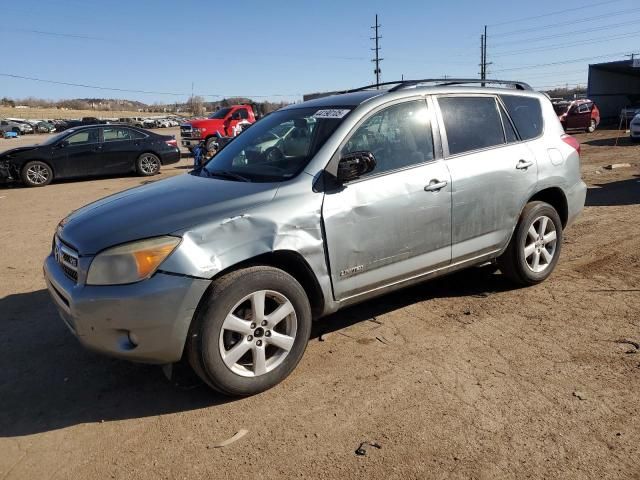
pixel 67 258
pixel 185 130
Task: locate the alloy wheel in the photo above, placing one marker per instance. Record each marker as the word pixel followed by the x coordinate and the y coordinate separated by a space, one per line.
pixel 258 333
pixel 149 164
pixel 540 244
pixel 38 174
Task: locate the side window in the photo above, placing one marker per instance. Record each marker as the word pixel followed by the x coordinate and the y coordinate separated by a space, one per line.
pixel 471 123
pixel 243 114
pixel 584 108
pixel 86 136
pixel 398 136
pixel 113 134
pixel 137 135
pixel 526 113
pixel 509 131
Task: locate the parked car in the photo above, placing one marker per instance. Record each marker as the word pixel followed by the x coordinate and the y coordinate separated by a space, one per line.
pixel 634 128
pixel 392 188
pixel 45 127
pixel 14 126
pixel 220 123
pixel 630 111
pixel 580 114
pixel 89 151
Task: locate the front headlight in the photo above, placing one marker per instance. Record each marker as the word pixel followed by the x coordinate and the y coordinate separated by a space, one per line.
pixel 196 133
pixel 130 262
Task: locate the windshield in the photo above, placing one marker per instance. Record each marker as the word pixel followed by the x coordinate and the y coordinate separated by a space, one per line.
pixel 560 108
pixel 220 114
pixel 277 147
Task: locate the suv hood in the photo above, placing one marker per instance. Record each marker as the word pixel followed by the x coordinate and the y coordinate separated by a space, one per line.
pixel 206 123
pixel 159 208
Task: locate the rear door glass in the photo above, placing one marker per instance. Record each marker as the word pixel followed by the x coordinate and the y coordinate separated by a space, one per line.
pixel 526 113
pixel 471 123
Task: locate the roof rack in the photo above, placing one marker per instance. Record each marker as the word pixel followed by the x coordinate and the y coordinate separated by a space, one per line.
pixel 400 84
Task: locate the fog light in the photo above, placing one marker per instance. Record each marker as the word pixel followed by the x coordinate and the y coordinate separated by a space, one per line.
pixel 133 338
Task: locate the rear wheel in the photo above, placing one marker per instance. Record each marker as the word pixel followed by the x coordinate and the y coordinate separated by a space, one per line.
pixel 535 246
pixel 36 174
pixel 592 126
pixel 251 331
pixel 148 164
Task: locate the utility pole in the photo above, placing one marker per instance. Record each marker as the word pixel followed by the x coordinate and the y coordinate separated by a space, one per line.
pixel 632 56
pixel 377 60
pixel 481 64
pixel 483 55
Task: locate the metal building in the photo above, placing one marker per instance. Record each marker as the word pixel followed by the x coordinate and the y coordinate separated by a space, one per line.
pixel 614 86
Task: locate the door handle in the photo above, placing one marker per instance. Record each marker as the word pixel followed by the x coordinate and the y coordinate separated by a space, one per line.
pixel 435 185
pixel 524 164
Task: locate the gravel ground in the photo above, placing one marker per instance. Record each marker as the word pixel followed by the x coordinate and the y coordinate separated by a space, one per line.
pixel 461 377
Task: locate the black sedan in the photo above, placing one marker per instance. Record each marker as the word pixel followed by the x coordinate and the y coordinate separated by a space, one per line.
pixel 89 151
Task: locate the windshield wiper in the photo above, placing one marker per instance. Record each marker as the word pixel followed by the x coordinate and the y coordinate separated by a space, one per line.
pixel 227 174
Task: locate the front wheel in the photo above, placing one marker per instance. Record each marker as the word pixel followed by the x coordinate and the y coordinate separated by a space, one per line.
pixel 535 246
pixel 250 332
pixel 36 174
pixel 148 164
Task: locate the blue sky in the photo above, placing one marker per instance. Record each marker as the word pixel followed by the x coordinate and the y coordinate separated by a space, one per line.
pixel 282 49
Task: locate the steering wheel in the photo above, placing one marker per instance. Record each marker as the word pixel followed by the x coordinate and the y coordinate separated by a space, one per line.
pixel 273 154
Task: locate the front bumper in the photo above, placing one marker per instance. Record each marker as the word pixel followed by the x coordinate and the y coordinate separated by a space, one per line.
pixel 635 131
pixel 156 313
pixel 190 142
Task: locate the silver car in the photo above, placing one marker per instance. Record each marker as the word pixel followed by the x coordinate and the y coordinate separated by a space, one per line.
pixel 226 267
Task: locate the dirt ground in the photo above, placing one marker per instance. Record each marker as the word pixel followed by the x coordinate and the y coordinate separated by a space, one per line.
pixel 461 377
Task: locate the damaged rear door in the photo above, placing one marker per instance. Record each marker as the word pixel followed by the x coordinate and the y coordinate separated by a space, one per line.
pixel 395 222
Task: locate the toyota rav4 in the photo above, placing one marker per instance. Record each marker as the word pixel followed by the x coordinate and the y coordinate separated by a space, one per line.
pixel 318 206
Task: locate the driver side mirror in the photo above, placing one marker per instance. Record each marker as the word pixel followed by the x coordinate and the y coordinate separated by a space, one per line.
pixel 63 144
pixel 355 164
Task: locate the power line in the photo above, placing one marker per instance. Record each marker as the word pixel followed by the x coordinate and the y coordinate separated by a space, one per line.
pixel 576 60
pixel 565 45
pixel 568 34
pixel 80 36
pixel 151 92
pixel 554 13
pixel 570 22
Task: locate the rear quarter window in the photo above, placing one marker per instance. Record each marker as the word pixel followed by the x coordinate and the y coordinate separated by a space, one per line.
pixel 526 113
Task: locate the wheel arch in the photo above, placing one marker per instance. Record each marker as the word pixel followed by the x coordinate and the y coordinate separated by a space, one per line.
pixel 555 197
pixel 292 263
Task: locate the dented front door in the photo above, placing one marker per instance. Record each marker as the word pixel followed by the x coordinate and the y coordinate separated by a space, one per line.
pixel 384 229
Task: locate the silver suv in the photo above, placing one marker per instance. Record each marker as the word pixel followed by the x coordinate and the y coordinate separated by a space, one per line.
pixel 317 206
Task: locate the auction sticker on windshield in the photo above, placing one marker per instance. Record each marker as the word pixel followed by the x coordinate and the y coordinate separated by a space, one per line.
pixel 330 113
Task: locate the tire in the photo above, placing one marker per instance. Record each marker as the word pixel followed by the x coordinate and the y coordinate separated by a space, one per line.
pixel 223 353
pixel 16 130
pixel 518 262
pixel 209 143
pixel 592 126
pixel 36 174
pixel 148 164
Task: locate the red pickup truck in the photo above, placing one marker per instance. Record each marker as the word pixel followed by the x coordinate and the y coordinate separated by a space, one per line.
pixel 224 122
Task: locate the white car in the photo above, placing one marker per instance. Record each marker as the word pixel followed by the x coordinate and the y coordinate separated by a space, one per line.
pixel 634 128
